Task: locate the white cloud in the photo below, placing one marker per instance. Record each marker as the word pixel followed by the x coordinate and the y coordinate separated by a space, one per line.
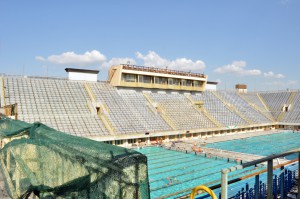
pixel 89 58
pixel 39 58
pixel 270 74
pixel 118 61
pixel 282 83
pixel 237 68
pixel 153 59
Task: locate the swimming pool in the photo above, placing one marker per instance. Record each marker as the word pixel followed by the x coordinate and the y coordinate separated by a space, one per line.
pixel 262 145
pixel 173 174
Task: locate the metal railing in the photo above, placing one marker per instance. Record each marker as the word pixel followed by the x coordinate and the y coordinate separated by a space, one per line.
pixel 270 168
pixel 162 70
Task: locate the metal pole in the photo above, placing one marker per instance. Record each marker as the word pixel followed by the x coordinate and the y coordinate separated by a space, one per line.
pixel 298 176
pixel 257 187
pixel 224 183
pixel 282 182
pixel 270 180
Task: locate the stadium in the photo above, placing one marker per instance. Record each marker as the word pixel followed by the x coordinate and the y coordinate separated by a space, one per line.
pixel 191 133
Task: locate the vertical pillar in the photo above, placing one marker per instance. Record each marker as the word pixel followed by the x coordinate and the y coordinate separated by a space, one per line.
pixel 224 183
pixel 298 176
pixel 257 187
pixel 270 180
pixel 282 182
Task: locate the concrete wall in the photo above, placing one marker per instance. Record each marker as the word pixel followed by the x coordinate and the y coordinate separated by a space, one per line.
pixel 82 76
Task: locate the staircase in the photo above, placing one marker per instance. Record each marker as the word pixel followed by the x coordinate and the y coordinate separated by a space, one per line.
pixel 102 114
pixel 163 114
pixel 232 108
pixel 257 108
pixel 263 102
pixel 204 111
pixel 289 102
pixel 107 123
pixel 89 91
pixel 160 110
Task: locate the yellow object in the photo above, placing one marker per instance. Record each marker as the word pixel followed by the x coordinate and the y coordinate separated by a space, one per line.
pixel 204 188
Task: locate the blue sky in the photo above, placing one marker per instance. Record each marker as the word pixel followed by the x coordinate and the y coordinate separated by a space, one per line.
pixel 251 42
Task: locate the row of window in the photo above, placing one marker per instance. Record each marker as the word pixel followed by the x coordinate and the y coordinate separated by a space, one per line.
pixel 160 80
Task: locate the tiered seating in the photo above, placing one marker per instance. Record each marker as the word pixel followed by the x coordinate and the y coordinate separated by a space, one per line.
pixel 124 117
pixel 182 112
pixel 253 98
pixel 293 116
pixel 243 107
pixel 57 103
pixel 138 105
pixel 218 109
pixel 62 104
pixel 275 101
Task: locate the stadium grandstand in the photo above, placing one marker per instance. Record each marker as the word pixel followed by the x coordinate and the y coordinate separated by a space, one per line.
pixel 142 106
pixel 146 103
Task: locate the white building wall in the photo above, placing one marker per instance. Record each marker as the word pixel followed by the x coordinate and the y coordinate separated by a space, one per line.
pixel 211 87
pixel 82 76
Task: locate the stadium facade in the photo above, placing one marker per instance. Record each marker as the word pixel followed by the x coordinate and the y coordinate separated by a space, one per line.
pixel 144 105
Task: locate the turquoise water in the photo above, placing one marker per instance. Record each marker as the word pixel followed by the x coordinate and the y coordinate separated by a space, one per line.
pixel 185 171
pixel 173 174
pixel 262 145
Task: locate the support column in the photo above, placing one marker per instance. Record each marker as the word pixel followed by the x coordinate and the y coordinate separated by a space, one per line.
pixel 224 183
pixel 282 182
pixel 298 176
pixel 257 187
pixel 270 180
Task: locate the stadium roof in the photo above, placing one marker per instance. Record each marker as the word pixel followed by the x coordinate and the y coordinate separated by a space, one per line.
pixel 81 70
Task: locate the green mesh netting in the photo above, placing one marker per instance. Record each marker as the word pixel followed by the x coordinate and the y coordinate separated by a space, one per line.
pixel 13 128
pixel 53 164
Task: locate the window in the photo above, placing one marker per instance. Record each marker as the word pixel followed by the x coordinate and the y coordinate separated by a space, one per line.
pixel 161 80
pixel 119 142
pixel 175 81
pixel 128 77
pixel 131 141
pixel 145 79
pixel 108 142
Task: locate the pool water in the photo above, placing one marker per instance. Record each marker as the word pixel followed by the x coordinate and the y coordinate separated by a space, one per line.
pixel 173 174
pixel 262 145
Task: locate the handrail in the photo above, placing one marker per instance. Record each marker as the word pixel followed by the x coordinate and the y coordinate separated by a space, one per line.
pixel 3 92
pixel 161 70
pixel 269 159
pixel 204 188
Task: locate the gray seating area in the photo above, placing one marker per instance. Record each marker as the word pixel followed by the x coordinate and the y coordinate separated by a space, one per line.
pixel 275 101
pixel 123 115
pixel 218 110
pixel 253 98
pixel 181 111
pixel 138 105
pixel 57 103
pixel 293 115
pixel 62 104
pixel 243 107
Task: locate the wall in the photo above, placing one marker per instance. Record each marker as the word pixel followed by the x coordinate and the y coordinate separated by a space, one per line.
pixel 82 76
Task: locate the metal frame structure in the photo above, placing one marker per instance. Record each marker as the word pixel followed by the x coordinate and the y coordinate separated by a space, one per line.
pixel 270 168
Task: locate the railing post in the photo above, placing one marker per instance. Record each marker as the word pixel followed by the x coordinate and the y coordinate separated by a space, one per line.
pixel 298 175
pixel 270 180
pixel 281 179
pixel 256 191
pixel 224 183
